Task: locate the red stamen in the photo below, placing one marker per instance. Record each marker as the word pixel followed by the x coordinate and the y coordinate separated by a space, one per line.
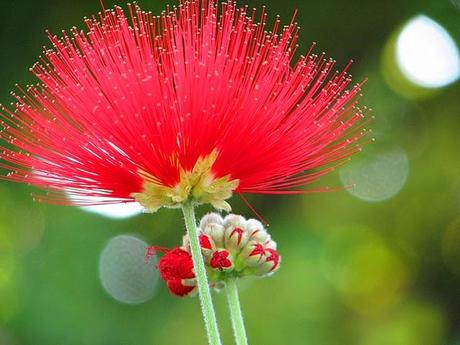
pixel 137 92
pixel 154 250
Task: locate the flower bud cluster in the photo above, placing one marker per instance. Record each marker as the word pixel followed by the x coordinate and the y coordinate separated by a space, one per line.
pixel 231 247
pixel 236 245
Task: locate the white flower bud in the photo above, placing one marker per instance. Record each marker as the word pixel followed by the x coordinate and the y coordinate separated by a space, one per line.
pixel 215 232
pixel 235 221
pixel 211 218
pixel 270 244
pixel 270 263
pixel 253 254
pixel 256 231
pixel 235 238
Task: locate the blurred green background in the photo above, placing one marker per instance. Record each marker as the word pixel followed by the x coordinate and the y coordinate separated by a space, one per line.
pixel 376 265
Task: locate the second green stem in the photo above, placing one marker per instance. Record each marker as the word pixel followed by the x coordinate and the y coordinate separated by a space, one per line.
pixel 235 312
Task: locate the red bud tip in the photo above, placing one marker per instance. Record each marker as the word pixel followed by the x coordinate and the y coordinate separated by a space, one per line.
pixel 205 243
pixel 220 260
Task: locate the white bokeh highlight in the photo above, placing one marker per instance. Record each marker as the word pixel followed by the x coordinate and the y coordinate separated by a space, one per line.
pixel 123 272
pixel 426 54
pixel 378 177
pixel 115 211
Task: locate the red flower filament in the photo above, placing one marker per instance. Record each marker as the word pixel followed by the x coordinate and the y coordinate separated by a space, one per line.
pixel 141 107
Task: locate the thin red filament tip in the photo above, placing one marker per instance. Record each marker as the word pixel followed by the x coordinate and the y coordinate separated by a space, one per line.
pixel 154 250
pixel 102 5
pixel 137 95
pixel 257 214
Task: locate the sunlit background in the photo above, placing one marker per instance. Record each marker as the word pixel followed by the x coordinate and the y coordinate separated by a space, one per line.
pixel 378 264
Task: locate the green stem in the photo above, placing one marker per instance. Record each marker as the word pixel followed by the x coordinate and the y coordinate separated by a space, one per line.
pixel 235 312
pixel 207 307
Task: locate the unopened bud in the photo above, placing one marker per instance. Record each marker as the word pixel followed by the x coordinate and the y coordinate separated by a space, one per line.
pixel 211 218
pixel 235 238
pixel 256 231
pixel 234 220
pixel 215 231
pixel 207 245
pixel 253 254
pixel 221 260
pixel 270 243
pixel 270 264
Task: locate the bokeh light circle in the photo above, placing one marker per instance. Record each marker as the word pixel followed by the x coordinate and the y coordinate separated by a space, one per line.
pixel 123 271
pixel 413 323
pixel 369 276
pixel 426 54
pixel 114 211
pixel 377 177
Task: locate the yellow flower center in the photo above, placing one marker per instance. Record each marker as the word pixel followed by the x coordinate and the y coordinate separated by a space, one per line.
pixel 198 185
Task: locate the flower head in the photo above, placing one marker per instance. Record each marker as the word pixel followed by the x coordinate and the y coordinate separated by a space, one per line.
pixel 195 104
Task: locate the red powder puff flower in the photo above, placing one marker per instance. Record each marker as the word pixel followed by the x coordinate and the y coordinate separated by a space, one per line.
pixel 195 104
